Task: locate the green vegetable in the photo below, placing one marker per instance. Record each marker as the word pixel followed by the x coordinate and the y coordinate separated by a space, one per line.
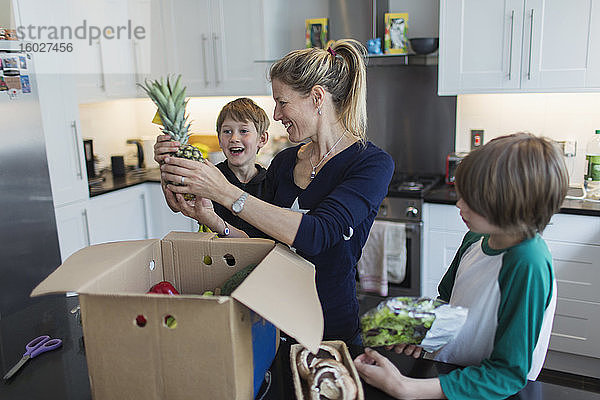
pixel 236 279
pixel 398 320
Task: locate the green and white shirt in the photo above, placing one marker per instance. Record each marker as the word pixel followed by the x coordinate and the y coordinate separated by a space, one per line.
pixel 511 302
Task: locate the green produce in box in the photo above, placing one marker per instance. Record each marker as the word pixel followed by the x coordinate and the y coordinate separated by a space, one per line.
pixel 409 320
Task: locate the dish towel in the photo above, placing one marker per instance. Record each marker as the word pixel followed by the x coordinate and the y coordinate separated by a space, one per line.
pixel 383 257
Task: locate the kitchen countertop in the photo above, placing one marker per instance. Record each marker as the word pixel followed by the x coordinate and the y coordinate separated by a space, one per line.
pixel 445 194
pixel 111 183
pixel 441 194
pixel 62 374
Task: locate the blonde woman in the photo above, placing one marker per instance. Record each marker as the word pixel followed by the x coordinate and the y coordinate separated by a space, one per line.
pixel 323 194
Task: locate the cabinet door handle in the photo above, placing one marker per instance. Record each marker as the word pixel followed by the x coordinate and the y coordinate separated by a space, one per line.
pixel 530 44
pixel 102 78
pixel 510 48
pixel 76 141
pixel 86 225
pixel 204 39
pixel 146 228
pixel 136 69
pixel 215 37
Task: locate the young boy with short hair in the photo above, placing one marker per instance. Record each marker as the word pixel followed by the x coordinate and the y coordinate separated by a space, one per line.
pixel 242 131
pixel 508 191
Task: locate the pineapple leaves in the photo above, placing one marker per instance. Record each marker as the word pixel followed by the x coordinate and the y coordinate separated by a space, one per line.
pixel 169 97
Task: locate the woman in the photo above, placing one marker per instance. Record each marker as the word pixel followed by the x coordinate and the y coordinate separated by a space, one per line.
pixel 324 193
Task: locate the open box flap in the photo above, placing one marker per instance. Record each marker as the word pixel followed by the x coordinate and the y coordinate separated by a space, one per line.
pixel 106 268
pixel 282 289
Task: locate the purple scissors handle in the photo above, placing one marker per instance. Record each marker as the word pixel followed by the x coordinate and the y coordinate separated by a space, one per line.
pixel 40 345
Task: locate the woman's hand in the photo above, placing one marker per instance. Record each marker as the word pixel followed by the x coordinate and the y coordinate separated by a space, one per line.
pixel 407 349
pixel 200 178
pixel 379 372
pixel 164 147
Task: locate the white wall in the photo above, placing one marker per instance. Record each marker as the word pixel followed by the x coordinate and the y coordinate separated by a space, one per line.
pixel 111 123
pixel 559 116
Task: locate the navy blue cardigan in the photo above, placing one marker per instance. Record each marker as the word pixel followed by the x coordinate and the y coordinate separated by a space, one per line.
pixel 342 202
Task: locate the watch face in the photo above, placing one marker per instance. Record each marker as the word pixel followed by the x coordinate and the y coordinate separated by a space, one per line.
pixel 236 207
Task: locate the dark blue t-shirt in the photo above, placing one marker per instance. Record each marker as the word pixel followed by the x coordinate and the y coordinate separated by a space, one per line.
pixel 256 187
pixel 342 202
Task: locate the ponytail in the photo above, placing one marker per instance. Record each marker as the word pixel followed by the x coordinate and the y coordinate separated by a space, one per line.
pixel 341 71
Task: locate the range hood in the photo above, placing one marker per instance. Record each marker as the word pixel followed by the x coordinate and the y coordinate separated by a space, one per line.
pixel 357 19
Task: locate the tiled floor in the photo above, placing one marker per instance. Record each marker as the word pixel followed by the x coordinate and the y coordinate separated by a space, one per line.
pixel 570 380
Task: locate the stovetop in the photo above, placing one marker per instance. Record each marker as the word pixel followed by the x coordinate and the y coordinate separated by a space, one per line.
pixel 413 186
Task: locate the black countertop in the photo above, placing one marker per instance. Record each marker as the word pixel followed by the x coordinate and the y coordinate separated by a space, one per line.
pixel 62 374
pixel 107 183
pixel 445 194
pixel 441 194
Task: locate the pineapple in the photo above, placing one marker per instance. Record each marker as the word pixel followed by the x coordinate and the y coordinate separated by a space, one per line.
pixel 169 97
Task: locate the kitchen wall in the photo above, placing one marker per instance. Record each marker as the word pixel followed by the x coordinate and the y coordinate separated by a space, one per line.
pixel 111 123
pixel 423 16
pixel 559 116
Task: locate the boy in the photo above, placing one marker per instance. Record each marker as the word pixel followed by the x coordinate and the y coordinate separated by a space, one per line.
pixel 502 272
pixel 242 131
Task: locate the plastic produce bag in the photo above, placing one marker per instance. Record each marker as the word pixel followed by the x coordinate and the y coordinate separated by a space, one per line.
pixel 422 321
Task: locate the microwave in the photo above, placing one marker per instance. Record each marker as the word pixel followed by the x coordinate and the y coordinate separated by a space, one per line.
pixel 452 161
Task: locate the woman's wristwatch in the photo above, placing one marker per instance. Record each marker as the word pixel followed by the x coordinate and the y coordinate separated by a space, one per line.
pixel 238 205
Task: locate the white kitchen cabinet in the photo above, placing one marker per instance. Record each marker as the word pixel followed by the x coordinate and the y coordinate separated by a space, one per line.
pixel 518 46
pixel 443 231
pixel 214 45
pixel 574 242
pixel 109 66
pixel 162 219
pixel 72 227
pixel 58 105
pixel 120 215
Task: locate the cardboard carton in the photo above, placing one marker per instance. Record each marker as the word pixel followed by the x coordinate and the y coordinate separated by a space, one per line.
pixel 219 347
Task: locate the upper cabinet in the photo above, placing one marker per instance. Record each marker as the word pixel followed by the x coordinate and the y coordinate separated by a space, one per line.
pixel 214 44
pixel 490 46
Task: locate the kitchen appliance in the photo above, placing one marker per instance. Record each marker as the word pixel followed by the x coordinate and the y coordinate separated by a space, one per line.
pixel 28 235
pixel 117 164
pixel 88 149
pixel 452 161
pixel 404 203
pixel 139 152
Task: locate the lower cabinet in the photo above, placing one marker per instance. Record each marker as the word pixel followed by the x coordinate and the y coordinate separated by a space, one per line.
pixel 135 213
pixel 162 219
pixel 443 233
pixel 72 227
pixel 574 242
pixel 119 215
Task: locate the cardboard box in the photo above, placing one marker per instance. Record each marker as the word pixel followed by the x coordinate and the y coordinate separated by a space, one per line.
pixel 301 387
pixel 214 350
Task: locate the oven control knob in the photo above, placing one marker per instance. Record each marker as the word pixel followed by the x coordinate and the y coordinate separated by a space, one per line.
pixel 412 211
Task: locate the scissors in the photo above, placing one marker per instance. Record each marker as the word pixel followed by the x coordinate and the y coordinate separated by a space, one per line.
pixel 37 346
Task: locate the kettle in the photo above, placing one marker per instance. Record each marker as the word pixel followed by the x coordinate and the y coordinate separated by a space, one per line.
pixel 140 152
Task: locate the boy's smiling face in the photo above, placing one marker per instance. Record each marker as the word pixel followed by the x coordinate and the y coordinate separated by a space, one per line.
pixel 240 141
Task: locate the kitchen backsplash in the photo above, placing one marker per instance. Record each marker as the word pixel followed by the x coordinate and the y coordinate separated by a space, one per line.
pixel 559 116
pixel 111 123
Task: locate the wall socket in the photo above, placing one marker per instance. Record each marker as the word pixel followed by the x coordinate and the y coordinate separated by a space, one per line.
pixel 476 138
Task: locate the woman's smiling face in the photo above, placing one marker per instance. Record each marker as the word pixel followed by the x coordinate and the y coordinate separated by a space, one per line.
pixel 240 141
pixel 296 112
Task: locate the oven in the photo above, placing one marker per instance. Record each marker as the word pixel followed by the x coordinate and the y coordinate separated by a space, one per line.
pixel 407 211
